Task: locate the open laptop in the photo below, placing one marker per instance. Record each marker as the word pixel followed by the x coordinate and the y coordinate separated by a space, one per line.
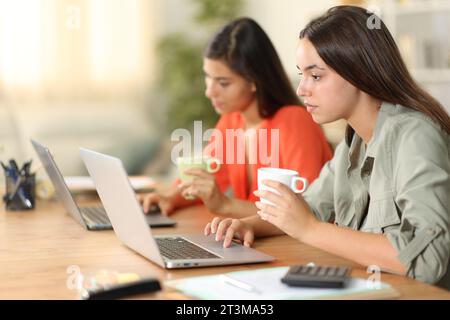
pixel 128 220
pixel 91 217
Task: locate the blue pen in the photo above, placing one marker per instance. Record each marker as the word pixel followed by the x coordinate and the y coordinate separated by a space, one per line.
pixel 13 166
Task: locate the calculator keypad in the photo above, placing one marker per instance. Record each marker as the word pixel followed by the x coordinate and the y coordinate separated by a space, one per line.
pixel 316 276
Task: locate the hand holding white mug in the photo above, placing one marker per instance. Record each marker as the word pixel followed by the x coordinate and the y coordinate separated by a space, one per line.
pixel 285 209
pixel 289 178
pixel 204 186
pixel 187 164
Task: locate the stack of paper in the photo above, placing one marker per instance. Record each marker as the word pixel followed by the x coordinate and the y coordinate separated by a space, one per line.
pixel 265 284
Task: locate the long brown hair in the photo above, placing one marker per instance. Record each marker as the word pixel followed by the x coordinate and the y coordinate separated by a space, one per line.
pixel 247 50
pixel 369 59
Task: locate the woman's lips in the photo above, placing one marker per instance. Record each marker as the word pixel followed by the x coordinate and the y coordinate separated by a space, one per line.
pixel 217 105
pixel 309 107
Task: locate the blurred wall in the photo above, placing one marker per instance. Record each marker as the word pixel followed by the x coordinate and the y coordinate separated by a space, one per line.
pixel 79 73
pixel 283 20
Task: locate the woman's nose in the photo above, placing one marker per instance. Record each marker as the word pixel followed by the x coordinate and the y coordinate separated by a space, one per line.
pixel 302 90
pixel 210 91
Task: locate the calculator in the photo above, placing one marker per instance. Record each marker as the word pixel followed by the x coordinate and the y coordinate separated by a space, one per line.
pixel 317 276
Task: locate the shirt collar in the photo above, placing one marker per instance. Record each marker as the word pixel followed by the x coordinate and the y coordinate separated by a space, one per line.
pixel 357 154
pixel 385 111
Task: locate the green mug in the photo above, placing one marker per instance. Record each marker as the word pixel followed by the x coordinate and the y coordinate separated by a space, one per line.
pixel 209 164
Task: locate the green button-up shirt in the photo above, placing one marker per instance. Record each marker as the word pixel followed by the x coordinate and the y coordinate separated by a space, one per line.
pixel 398 186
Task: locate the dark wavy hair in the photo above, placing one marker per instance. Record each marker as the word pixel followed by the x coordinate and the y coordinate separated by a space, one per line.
pixel 247 50
pixel 369 59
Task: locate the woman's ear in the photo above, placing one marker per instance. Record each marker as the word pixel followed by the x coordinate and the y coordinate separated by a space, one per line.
pixel 253 87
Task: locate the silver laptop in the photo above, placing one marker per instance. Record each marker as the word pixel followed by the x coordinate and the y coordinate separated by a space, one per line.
pixel 128 220
pixel 91 217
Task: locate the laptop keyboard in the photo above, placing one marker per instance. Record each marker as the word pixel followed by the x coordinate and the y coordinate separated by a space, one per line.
pixel 96 214
pixel 179 248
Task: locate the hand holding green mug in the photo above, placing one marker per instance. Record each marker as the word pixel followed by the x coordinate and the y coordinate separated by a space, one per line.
pixel 209 164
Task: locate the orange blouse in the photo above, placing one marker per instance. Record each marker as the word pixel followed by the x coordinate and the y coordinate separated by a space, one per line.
pixel 301 147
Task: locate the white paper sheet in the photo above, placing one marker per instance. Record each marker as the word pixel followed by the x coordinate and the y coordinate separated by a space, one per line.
pixel 268 287
pixel 84 184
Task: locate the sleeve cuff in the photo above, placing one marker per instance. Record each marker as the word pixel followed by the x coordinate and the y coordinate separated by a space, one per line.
pixel 408 249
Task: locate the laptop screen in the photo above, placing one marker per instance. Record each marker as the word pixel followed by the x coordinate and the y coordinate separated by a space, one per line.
pixel 58 181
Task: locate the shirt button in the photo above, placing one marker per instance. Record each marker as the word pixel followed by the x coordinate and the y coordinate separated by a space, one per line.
pixel 366 173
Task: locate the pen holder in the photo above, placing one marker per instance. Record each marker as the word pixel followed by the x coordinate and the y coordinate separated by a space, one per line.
pixel 20 192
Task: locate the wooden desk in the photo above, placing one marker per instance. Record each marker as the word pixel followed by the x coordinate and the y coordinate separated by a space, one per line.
pixel 37 247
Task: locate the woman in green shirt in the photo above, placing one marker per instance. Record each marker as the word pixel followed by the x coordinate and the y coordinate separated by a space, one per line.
pixel 387 189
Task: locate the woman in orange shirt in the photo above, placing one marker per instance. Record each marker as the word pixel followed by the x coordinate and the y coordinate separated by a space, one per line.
pixel 248 87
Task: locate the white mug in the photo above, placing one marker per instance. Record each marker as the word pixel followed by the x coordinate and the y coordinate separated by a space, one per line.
pixel 285 176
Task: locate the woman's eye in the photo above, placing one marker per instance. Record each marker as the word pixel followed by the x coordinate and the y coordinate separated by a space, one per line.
pixel 224 84
pixel 316 78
